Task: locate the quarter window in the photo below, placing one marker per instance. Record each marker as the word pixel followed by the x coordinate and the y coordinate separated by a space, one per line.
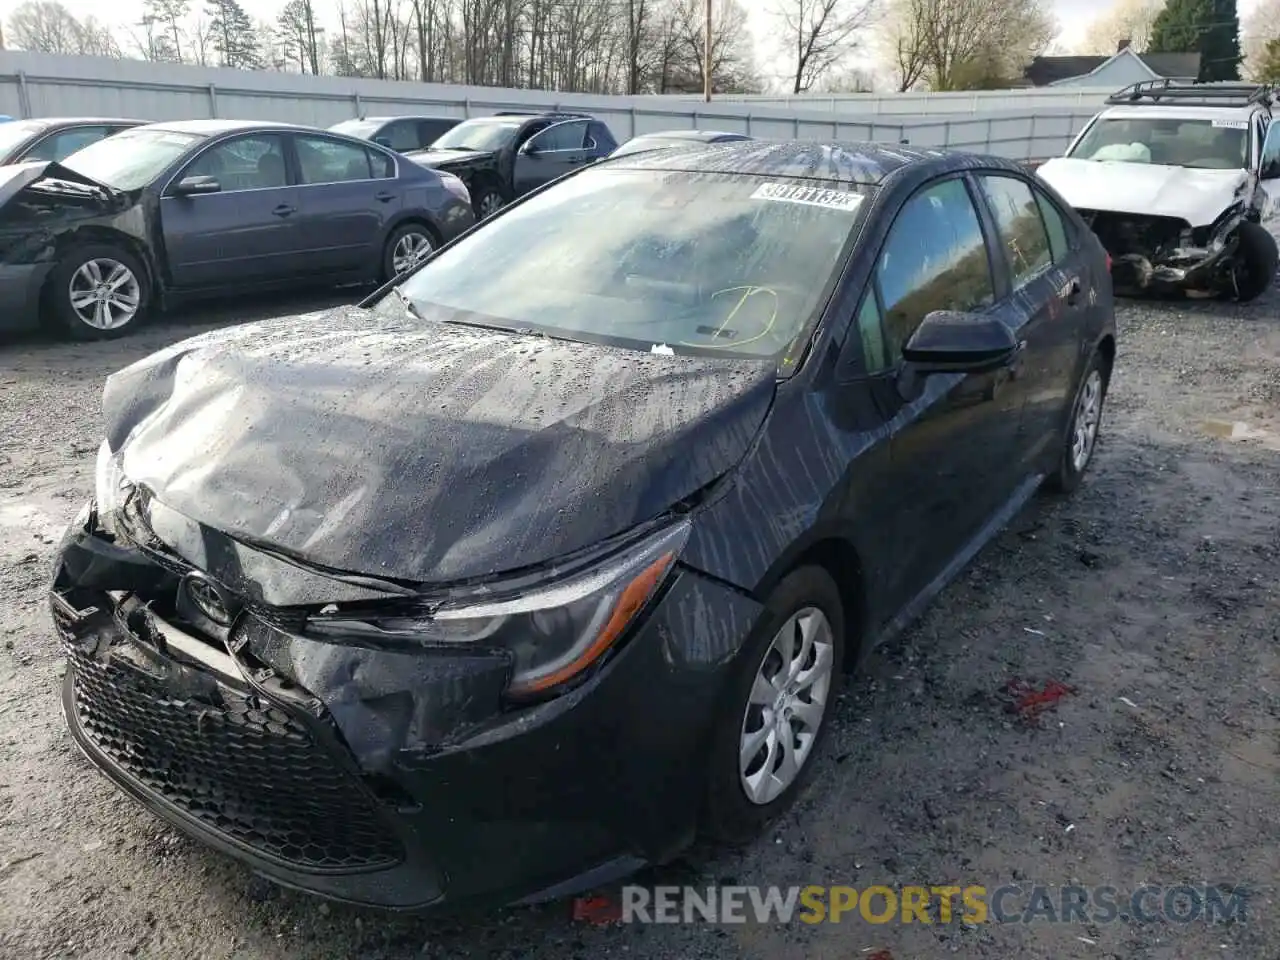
pixel 934 259
pixel 331 161
pixel 871 328
pixel 246 163
pixel 1021 228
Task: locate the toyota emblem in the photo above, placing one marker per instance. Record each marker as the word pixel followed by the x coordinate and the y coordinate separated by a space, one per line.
pixel 207 598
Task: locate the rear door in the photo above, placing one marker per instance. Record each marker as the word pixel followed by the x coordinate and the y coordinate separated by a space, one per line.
pixel 245 233
pixel 1053 288
pixel 550 154
pixel 348 195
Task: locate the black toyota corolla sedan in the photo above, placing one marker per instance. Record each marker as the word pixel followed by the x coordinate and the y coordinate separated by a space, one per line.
pixel 173 211
pixel 555 553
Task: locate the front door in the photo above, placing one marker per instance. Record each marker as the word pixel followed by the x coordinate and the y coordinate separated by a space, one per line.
pixel 952 437
pixel 1269 177
pixel 348 196
pixel 244 233
pixel 552 153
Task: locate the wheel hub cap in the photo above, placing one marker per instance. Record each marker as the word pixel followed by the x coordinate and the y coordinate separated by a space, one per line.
pixel 104 294
pixel 787 706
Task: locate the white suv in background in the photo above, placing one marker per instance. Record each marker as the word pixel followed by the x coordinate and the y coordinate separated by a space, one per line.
pixel 1181 182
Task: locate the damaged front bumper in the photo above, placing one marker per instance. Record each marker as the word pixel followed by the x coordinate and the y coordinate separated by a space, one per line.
pixel 1161 255
pixel 400 780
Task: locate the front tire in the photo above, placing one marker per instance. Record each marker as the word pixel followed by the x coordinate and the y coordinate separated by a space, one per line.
pixel 98 291
pixel 778 708
pixel 1083 429
pixel 1256 261
pixel 487 200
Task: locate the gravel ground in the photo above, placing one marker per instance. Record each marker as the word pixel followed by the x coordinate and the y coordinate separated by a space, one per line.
pixel 1152 593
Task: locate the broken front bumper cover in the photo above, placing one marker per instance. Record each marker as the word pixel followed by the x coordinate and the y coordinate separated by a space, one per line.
pixel 421 795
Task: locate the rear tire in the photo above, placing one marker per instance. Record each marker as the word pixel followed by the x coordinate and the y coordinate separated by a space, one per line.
pixel 408 245
pixel 1257 258
pixel 1080 439
pixel 805 603
pixel 98 291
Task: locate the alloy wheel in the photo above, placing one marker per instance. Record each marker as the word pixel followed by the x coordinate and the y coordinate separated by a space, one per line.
pixel 490 203
pixel 787 705
pixel 105 294
pixel 1085 423
pixel 410 250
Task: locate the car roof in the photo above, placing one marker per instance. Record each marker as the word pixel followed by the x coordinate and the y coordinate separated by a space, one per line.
pixel 51 122
pixel 707 135
pixel 865 164
pixel 1181 112
pixel 406 116
pixel 212 128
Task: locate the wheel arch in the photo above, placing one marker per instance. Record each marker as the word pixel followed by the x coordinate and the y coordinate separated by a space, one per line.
pixel 95 234
pixel 418 218
pixel 1107 348
pixel 833 550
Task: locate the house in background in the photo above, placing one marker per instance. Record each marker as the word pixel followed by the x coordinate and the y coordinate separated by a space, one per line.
pixel 1121 69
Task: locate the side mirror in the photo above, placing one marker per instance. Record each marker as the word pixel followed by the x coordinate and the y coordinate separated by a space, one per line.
pixel 951 342
pixel 529 149
pixel 1270 169
pixel 194 186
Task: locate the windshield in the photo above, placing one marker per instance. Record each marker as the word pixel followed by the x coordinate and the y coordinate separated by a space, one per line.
pixel 14 132
pixel 131 159
pixel 659 261
pixel 478 134
pixel 364 129
pixel 1221 144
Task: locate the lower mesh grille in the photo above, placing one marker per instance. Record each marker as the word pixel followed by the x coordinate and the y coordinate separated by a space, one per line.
pixel 240 765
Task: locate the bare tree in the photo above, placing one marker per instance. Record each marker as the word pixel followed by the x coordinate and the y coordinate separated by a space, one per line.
pixel 1257 30
pixel 962 44
pixel 1128 22
pixel 299 35
pixel 45 26
pixel 201 44
pixel 818 35
pixel 166 17
pixel 97 40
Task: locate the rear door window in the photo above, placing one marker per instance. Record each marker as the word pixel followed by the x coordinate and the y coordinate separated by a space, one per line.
pixel 935 258
pixel 321 160
pixel 1020 226
pixel 62 144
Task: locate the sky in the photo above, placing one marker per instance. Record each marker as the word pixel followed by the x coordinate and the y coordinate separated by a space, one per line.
pixel 1073 18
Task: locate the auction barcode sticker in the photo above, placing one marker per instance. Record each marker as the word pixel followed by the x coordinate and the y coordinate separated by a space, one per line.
pixel 1232 124
pixel 812 196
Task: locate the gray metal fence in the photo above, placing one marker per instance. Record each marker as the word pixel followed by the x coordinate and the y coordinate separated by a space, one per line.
pixel 33 85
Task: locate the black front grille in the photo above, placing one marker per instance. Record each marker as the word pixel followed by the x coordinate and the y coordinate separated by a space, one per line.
pixel 236 763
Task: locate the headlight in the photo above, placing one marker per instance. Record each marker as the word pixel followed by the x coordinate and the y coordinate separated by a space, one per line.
pixel 455 186
pixel 110 487
pixel 553 632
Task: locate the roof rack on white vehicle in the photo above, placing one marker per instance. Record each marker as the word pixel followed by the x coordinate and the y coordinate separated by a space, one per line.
pixel 1212 94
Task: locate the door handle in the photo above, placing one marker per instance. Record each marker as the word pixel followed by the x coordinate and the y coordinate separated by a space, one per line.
pixel 1070 292
pixel 386 196
pixel 283 210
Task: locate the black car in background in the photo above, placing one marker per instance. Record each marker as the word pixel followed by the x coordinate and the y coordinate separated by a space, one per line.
pixel 505 156
pixel 206 207
pixel 401 134
pixel 55 138
pixel 676 139
pixel 507 582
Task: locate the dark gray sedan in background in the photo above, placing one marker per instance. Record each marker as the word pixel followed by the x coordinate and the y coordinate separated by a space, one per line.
pixel 400 134
pixel 54 138
pixel 169 211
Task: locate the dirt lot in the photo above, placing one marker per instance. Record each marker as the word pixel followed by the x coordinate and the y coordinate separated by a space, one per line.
pixel 1153 593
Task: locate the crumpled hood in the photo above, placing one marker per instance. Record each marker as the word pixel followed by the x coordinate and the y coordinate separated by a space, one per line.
pixel 1197 196
pixel 445 158
pixel 425 451
pixel 16 177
